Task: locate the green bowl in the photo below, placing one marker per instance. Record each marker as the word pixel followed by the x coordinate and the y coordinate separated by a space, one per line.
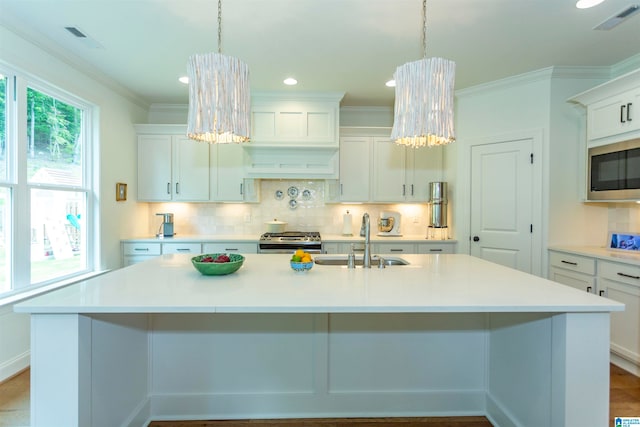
pixel 217 268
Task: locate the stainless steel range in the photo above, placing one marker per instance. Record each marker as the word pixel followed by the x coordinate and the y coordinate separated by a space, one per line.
pixel 289 241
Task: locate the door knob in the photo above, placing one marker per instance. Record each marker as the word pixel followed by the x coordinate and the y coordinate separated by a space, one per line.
pixel 476 238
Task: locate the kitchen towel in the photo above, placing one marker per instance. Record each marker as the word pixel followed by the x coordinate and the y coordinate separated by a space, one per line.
pixel 347 224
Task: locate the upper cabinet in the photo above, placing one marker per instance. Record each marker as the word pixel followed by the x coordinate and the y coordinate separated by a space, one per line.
pixel 172 168
pixel 613 109
pixel 294 135
pixel 403 174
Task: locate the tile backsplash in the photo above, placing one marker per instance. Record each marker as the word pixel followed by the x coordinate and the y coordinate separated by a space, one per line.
pixel 308 212
pixel 624 217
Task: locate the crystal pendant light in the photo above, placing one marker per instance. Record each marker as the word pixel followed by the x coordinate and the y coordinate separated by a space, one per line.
pixel 423 113
pixel 219 96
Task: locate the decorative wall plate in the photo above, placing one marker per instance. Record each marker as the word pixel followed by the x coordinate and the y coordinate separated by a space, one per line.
pixel 292 192
pixel 306 194
pixel 293 204
pixel 279 195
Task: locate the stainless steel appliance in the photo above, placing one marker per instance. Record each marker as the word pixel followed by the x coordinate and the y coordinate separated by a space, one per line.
pixel 614 171
pixel 437 210
pixel 389 224
pixel 289 241
pixel 166 228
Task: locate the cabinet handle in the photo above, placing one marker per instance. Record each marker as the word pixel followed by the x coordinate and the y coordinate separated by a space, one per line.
pixel 435 250
pixel 231 249
pixel 397 250
pixel 589 289
pixel 341 190
pixel 404 192
pixel 141 249
pixel 601 293
pixel 629 276
pixel 241 189
pixel 177 188
pixel 168 188
pixel 569 262
pixel 629 111
pixel 622 107
pixel 183 250
pixel 412 189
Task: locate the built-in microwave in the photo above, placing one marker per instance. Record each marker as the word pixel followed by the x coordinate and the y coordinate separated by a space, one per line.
pixel 614 171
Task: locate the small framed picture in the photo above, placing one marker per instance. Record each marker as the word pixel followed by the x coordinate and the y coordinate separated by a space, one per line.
pixel 121 191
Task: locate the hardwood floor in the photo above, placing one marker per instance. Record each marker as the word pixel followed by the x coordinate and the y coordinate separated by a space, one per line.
pixel 624 402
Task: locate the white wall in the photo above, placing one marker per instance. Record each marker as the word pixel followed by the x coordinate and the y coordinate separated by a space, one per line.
pixel 117 153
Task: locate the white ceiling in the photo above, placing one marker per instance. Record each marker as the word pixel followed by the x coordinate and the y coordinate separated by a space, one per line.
pixel 350 46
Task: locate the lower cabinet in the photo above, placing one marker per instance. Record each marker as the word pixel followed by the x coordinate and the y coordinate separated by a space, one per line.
pixel 181 248
pixel 573 270
pixel 434 247
pixel 133 253
pixel 614 280
pixel 621 282
pixel 235 247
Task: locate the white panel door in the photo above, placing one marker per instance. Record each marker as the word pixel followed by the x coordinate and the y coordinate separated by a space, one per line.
pixel 501 203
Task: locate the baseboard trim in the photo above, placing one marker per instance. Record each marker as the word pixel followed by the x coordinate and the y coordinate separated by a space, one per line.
pixel 625 364
pixel 14 366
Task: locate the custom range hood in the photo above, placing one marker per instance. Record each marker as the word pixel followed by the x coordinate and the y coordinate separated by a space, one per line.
pixel 294 135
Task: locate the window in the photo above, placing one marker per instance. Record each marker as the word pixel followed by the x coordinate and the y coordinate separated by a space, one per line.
pixel 45 184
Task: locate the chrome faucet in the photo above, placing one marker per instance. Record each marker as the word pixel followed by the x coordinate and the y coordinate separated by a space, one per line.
pixel 365 231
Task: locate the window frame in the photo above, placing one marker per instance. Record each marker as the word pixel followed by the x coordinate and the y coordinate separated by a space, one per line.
pixel 17 151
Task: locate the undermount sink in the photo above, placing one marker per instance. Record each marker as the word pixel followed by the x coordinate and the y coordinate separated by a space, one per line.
pixel 375 261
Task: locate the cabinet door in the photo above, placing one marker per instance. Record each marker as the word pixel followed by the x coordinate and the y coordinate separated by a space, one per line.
pixel 583 282
pixel 389 165
pixel 614 115
pixel 191 169
pixel 227 173
pixel 154 168
pixel 394 248
pixel 424 165
pixel 355 168
pixel 625 325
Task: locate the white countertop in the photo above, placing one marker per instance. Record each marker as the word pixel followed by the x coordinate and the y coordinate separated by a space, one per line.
pixel 266 284
pixel 252 238
pixel 601 253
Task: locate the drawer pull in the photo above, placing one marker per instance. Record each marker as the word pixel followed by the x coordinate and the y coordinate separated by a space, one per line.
pixel 601 293
pixel 569 262
pixel 629 276
pixel 183 250
pixel 589 289
pixel 231 249
pixel 141 249
pixel 435 250
pixel 396 250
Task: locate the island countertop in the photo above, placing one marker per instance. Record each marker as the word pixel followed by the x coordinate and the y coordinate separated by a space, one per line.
pixel 266 284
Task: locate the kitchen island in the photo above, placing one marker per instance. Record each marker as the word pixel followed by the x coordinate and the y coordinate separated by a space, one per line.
pixel 444 335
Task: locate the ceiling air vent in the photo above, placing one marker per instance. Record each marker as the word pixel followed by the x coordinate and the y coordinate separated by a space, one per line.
pixel 83 38
pixel 618 18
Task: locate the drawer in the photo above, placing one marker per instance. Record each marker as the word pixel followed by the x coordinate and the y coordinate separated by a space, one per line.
pixel 394 248
pixel 181 248
pixel 617 272
pixel 424 248
pixel 141 248
pixel 235 247
pixel 578 263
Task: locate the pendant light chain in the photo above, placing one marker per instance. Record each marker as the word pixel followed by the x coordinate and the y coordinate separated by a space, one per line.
pixel 220 26
pixel 424 27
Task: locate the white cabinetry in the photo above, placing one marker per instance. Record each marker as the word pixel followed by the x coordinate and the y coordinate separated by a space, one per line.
pixel 613 109
pixel 436 248
pixel 172 168
pixel 181 248
pixel 573 270
pixel 355 168
pixel 227 177
pixel 133 253
pixel 394 248
pixel 402 174
pixel 614 115
pixel 621 282
pixel 294 135
pixel 234 247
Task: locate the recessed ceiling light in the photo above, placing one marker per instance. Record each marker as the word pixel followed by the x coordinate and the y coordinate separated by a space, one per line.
pixel 184 80
pixel 290 81
pixel 586 4
pixel 390 83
